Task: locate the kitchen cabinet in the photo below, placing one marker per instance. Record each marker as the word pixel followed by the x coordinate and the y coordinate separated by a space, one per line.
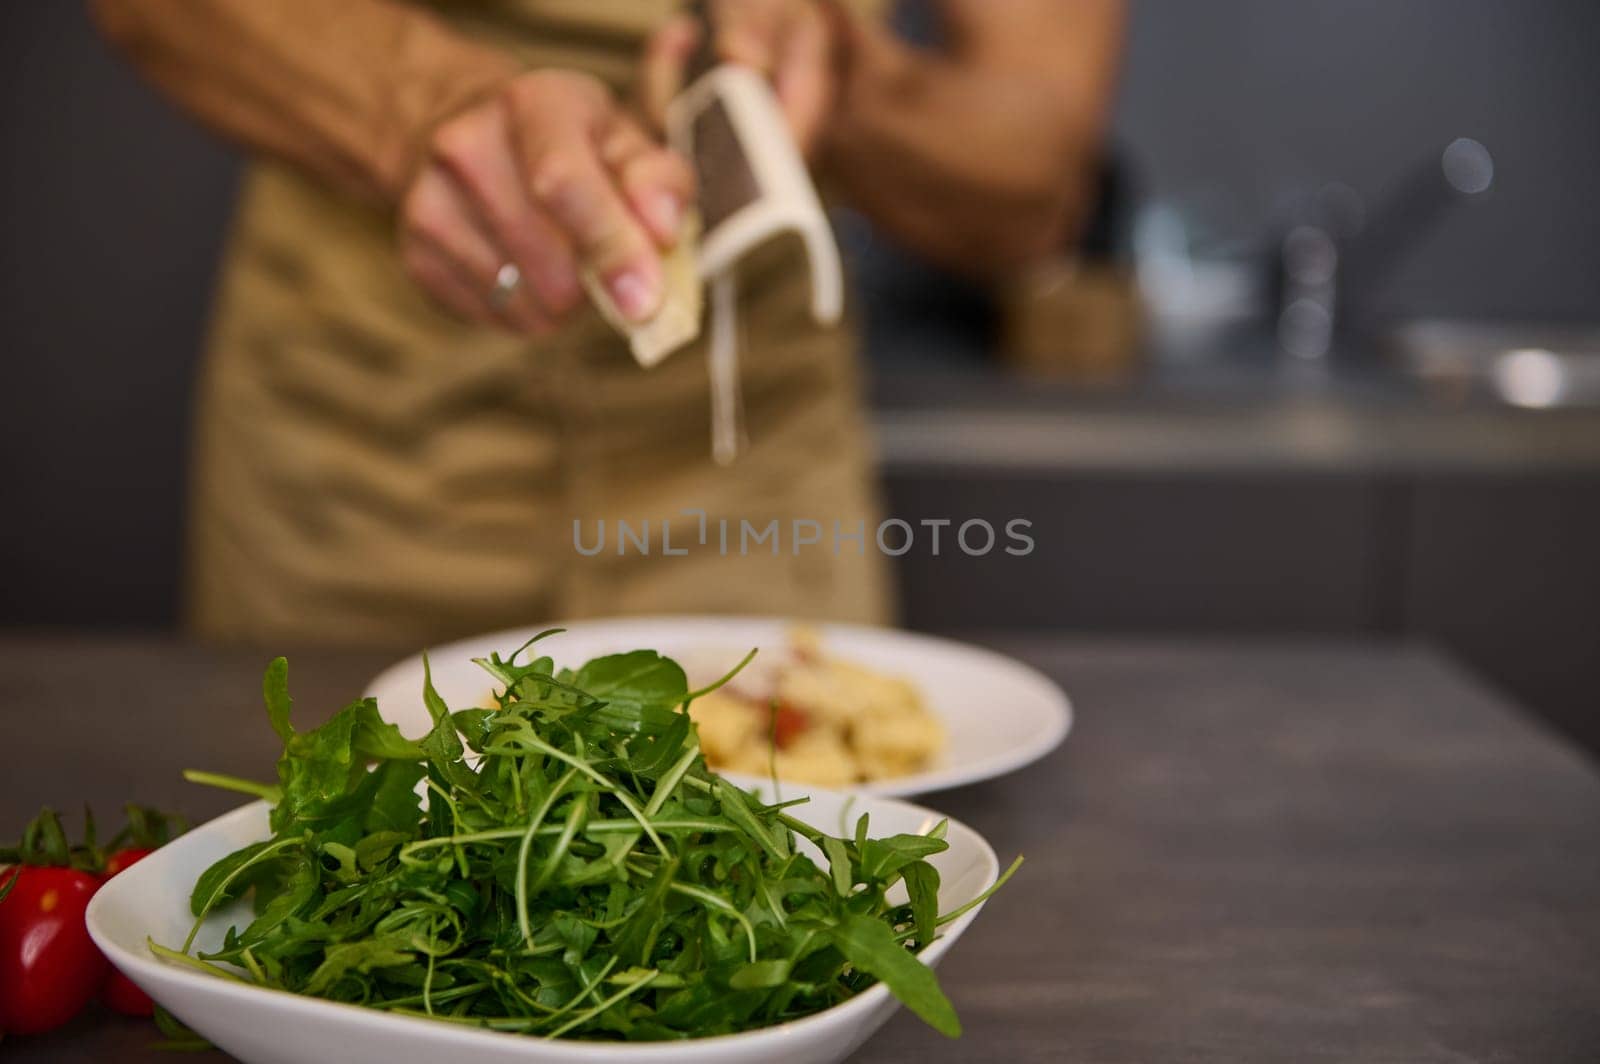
pixel 1234 552
pixel 1477 530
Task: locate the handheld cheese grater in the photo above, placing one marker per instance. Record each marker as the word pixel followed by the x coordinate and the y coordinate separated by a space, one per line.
pixel 753 186
pixel 753 183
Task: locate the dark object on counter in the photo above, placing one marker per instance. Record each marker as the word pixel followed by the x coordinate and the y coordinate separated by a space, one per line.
pixel 1072 316
pixel 1072 320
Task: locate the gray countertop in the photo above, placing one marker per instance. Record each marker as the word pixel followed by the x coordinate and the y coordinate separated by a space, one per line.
pixel 1211 420
pixel 1245 851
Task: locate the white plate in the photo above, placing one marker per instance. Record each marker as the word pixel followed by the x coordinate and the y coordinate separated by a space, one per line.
pixel 274 1027
pixel 998 713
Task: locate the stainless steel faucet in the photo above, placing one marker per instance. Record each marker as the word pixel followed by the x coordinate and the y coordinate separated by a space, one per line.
pixel 1339 252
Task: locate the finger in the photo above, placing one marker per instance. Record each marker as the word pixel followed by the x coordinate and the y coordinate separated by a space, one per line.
pixel 445 283
pixel 802 77
pixel 665 67
pixel 658 182
pixel 748 31
pixel 476 150
pixel 574 187
pixel 441 223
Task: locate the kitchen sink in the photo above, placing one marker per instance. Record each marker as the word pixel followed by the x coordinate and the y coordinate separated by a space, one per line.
pixel 1528 366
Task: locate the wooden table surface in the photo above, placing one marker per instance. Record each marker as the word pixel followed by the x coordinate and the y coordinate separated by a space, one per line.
pixel 1275 851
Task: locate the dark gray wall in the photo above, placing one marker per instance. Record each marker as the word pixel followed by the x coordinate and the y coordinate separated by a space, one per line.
pixel 1229 106
pixel 111 213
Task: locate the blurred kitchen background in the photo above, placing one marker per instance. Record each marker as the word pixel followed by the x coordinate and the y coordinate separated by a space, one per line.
pixel 1330 365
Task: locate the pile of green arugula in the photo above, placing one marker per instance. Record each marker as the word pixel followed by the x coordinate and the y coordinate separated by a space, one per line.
pixel 575 871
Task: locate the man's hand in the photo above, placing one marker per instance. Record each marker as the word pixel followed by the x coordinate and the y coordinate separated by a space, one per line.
pixel 551 176
pixel 787 40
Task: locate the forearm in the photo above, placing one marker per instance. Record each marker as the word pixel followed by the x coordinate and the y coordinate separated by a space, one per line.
pixel 347 91
pixel 981 157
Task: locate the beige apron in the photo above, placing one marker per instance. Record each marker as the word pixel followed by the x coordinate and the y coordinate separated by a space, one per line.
pixel 371 470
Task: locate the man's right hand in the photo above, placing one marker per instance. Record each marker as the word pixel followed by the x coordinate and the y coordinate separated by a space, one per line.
pixel 551 176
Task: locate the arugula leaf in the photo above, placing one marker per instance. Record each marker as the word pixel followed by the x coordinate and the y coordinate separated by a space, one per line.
pixel 355 957
pixel 177 1037
pixel 635 681
pixel 296 886
pixel 638 936
pixel 275 690
pixel 762 975
pixel 884 858
pixel 870 945
pixel 660 752
pixel 392 804
pixel 227 879
pixel 922 884
pixel 323 773
pixel 736 805
pixel 839 865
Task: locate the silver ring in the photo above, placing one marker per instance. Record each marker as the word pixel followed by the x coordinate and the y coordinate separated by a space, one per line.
pixel 507 280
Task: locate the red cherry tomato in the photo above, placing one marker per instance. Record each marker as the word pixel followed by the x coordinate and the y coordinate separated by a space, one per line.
pixel 120 993
pixel 123 858
pixel 49 967
pixel 787 723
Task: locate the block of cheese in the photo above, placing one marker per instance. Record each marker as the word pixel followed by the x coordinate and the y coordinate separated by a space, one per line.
pixel 677 321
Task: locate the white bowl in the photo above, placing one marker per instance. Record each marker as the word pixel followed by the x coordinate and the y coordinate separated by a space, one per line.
pixel 998 713
pixel 261 1026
